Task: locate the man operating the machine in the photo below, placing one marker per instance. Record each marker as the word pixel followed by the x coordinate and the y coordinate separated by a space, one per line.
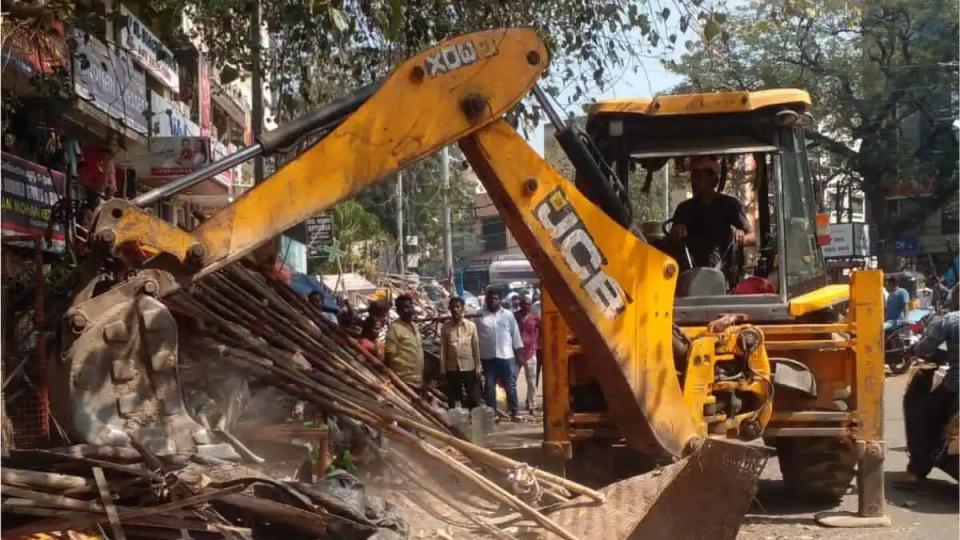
pixel 710 224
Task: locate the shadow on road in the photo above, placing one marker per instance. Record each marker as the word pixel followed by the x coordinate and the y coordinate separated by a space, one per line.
pixel 935 496
pixel 773 497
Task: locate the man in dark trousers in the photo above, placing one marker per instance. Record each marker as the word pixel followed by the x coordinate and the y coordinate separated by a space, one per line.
pixel 460 357
pixel 500 345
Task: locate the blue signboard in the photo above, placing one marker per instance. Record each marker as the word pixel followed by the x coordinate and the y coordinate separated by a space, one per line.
pixel 906 246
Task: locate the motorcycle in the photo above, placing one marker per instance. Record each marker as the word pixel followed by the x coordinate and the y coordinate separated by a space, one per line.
pixel 899 336
pixel 947 455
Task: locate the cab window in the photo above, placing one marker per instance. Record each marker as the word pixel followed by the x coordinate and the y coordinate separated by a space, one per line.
pixel 804 265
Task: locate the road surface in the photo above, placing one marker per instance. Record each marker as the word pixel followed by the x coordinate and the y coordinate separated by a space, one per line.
pixel 925 514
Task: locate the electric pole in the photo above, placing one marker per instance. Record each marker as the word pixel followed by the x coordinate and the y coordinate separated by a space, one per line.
pixel 447 233
pixel 256 115
pixel 401 240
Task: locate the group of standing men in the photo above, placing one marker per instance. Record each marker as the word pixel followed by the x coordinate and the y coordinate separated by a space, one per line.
pixel 498 345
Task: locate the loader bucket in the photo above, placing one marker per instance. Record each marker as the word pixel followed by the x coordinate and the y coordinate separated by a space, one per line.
pixel 703 496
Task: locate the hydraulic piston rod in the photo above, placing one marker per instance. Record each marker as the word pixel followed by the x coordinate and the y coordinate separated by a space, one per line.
pixel 324 118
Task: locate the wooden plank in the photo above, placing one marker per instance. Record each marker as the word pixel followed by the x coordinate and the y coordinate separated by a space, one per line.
pixel 279 513
pixel 50 499
pixel 47 455
pixel 121 453
pixel 107 500
pixel 46 480
pixel 86 521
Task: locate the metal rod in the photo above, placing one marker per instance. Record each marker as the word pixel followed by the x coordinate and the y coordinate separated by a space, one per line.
pixel 156 195
pixel 547 108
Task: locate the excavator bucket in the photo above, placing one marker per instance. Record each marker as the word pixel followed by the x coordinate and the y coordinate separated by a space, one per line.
pixel 703 496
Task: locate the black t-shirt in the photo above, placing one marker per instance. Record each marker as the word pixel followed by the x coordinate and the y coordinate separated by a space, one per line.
pixel 708 226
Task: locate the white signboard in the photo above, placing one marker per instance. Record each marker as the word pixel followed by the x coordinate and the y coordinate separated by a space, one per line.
pixel 169 120
pixel 175 156
pixel 848 240
pixel 149 51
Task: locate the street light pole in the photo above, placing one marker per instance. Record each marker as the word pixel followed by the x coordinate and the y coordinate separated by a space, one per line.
pixel 256 114
pixel 401 240
pixel 447 233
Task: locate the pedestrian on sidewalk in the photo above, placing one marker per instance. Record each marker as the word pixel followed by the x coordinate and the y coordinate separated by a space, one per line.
pixel 460 357
pixel 500 344
pixel 529 324
pixel 403 350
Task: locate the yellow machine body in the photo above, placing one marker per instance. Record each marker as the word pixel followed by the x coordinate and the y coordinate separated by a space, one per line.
pixel 825 433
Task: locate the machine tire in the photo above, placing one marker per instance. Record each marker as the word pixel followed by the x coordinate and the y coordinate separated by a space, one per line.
pixel 817 468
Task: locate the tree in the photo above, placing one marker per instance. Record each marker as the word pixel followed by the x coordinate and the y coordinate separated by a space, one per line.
pixel 359 235
pixel 883 78
pixel 423 193
pixel 353 43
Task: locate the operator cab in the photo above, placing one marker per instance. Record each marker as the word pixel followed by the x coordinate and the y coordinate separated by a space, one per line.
pixel 754 142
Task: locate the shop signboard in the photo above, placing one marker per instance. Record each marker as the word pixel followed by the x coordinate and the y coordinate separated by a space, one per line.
pixel 203 82
pixel 319 236
pixel 149 51
pixel 907 246
pixel 176 156
pixel 169 119
pixel 29 193
pixel 847 240
pixel 107 79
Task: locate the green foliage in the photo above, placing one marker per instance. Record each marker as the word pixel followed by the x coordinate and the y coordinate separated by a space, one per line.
pixel 883 77
pixel 342 45
pixel 359 234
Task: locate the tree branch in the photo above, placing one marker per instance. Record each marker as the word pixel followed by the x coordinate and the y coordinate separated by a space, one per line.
pixel 832 145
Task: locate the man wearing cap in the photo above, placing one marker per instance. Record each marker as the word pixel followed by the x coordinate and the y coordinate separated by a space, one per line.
pixel 710 221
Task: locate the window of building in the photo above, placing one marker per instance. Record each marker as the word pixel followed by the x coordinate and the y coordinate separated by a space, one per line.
pixel 494 233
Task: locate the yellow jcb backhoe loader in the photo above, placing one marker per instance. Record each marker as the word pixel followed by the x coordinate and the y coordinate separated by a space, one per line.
pixel 800 373
pixel 116 374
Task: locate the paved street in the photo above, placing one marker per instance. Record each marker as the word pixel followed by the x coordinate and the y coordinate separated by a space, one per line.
pixel 927 514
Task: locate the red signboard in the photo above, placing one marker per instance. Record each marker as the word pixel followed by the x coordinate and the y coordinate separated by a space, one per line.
pixel 203 82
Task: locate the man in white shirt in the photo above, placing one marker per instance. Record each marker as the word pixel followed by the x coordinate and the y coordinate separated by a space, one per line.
pixel 500 343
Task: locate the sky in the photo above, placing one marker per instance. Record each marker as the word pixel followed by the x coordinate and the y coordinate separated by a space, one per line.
pixel 650 79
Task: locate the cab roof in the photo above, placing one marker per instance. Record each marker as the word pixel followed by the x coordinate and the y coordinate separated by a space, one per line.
pixel 707 103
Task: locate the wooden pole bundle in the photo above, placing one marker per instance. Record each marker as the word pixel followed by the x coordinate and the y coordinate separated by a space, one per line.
pixel 259 326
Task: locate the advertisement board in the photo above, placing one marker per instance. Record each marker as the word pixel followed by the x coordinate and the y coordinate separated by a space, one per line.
pixel 847 240
pixel 168 119
pixel 148 51
pixel 107 79
pixel 176 156
pixel 29 192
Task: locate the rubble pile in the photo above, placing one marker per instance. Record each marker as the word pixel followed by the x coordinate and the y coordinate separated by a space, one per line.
pixel 254 333
pixel 130 493
pixel 261 327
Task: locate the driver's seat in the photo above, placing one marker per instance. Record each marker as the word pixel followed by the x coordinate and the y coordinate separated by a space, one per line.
pixel 701 281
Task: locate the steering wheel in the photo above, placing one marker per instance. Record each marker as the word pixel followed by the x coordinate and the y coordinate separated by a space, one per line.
pixel 735 261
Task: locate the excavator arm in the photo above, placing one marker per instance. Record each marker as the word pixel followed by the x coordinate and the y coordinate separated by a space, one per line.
pixel 615 289
pixel 427 102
